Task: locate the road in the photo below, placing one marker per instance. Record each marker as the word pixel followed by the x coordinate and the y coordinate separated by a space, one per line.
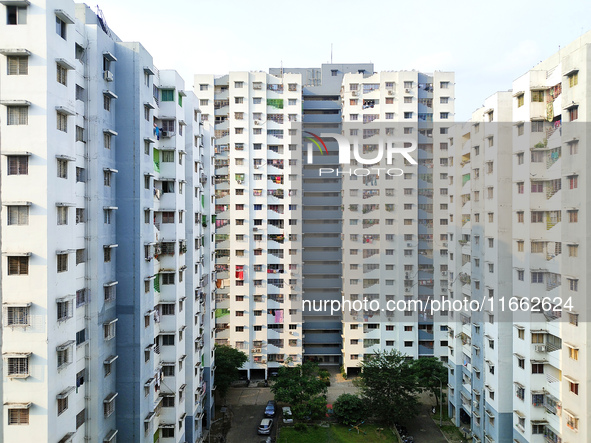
pixel 247 406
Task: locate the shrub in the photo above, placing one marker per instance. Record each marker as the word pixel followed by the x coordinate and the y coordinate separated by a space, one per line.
pixel 349 409
pixel 301 427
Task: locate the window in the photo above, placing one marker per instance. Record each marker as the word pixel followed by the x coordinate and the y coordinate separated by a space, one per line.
pixel 573 79
pixel 168 278
pixel 109 405
pixel 573 284
pixel 18 416
pixel 16 15
pixel 62 75
pixel 444 115
pixel 574 388
pixel 18 215
pixel 520 129
pixel 537 277
pixel 17 65
pixel 107 103
pixel 109 330
pixel 62 262
pixel 80 256
pixel 408 115
pixel 18 366
pixel 18 115
pixel 62 122
pixel 573 113
pixel 64 355
pixel 238 100
pixel 167 95
pixel 573 250
pixel 18 165
pixel 573 215
pixel 17 315
pixel 537 96
pixel 60 27
pixel 107 214
pixel 106 254
pixel 64 310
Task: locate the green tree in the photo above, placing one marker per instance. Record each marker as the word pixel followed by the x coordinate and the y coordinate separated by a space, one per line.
pixel 227 361
pixel 349 409
pixel 301 387
pixel 429 372
pixel 389 387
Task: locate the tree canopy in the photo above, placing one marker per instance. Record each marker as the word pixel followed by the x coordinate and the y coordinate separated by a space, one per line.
pixel 349 409
pixel 303 389
pixel 429 372
pixel 389 386
pixel 227 361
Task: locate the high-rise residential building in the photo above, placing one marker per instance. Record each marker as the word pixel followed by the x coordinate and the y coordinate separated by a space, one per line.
pixel 518 368
pixel 322 215
pixel 480 341
pixel 105 280
pixel 257 214
pixel 394 232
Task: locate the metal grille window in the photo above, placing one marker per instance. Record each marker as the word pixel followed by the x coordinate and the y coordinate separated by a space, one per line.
pixel 64 354
pixel 62 262
pixel 18 265
pixel 80 256
pixel 17 65
pixel 18 366
pixel 62 75
pixel 109 329
pixel 106 102
pixel 79 215
pixel 107 140
pixel 18 165
pixel 18 115
pixel 17 315
pixel 62 121
pixel 110 292
pixel 18 215
pixel 64 310
pixel 18 417
pixel 62 168
pixel 62 215
pixel 109 405
pixel 80 418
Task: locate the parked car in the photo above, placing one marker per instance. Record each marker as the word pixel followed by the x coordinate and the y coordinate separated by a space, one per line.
pixel 287 415
pixel 265 426
pixel 270 409
pixel 267 440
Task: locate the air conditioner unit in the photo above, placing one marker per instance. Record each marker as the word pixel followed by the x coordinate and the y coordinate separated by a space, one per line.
pixel 407 275
pixel 445 244
pixel 408 90
pixel 264 362
pixel 292 286
pixel 409 245
pixel 167 133
pixel 391 92
pixel 255 350
pixel 291 333
pixel 540 348
pixel 444 273
pixel 108 76
pixel 255 229
pixel 407 289
pixel 354 93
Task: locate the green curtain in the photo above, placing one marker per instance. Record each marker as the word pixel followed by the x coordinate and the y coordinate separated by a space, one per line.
pixel 157 283
pixel 156 160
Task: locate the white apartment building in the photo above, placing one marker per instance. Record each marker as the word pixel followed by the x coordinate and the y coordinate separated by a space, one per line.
pixel 258 215
pixel 394 231
pixel 550 237
pixel 480 341
pixel 534 374
pixel 105 281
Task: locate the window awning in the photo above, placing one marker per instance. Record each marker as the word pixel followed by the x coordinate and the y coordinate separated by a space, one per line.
pixel 110 359
pixel 115 245
pixel 63 15
pixel 149 140
pixel 570 379
pixel 65 63
pixel 111 397
pixel 65 392
pixel 149 70
pixel 109 56
pixel 65 157
pixel 519 413
pixel 66 345
pixel 16 254
pixel 111 170
pixel 108 323
pixel 110 207
pixel 110 94
pixel 15 102
pixel 64 204
pixel 111 132
pixel 9 153
pixel 65 110
pixel 15 2
pixel 16 354
pixel 16 203
pixel 111 283
pixel 518 93
pixel 15 405
pixel 19 52
pixel 571 105
pixel 149 105
pixel 110 436
pixel 149 417
pixel 571 72
pixel 16 305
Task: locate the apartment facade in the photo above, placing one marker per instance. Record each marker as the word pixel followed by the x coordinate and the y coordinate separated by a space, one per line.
pixel 257 169
pixel 98 277
pixel 520 363
pixel 394 230
pixel 480 257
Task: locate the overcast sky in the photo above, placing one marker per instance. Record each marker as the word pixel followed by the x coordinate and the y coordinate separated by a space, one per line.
pixel 487 44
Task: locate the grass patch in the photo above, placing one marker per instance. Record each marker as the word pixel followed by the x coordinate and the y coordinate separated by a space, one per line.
pixel 337 434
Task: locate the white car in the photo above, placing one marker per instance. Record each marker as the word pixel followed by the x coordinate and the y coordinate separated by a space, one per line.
pixel 287 416
pixel 265 426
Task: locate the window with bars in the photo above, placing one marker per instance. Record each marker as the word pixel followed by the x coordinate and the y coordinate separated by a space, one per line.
pixel 62 262
pixel 62 75
pixel 18 215
pixel 18 115
pixel 18 366
pixel 64 310
pixel 17 65
pixel 18 417
pixel 17 316
pixel 18 265
pixel 62 121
